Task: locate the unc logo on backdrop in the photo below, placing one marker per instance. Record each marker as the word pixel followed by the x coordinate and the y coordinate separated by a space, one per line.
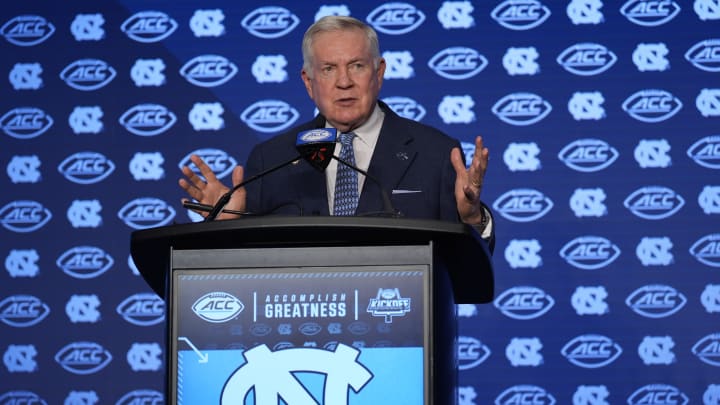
pixel 219 161
pixel 147 166
pixel 20 358
pixel 85 214
pixel 21 397
pixel 585 12
pixel 657 394
pixel 456 14
pixel 708 102
pixel 656 301
pixel 86 167
pixel 457 109
pixel 707 250
pixel 588 202
pixel 707 349
pixel 27 30
pixel 471 352
pixel 270 22
pixel 146 212
pixel 520 15
pixel 654 202
pixel 653 153
pixel 707 9
pixel 84 262
pixel 22 263
pixel 24 169
pixel 270 69
pixel 587 106
pixel 83 358
pixel 652 105
pixel 521 109
pixel 217 307
pixel 148 72
pixel 710 298
pixel 141 397
pixel 86 120
pixel 142 309
pixel 706 152
pixel 88 27
pixel 705 55
pixel 466 395
pixel 590 252
pixel 654 251
pixel 650 13
pixel 83 308
pixel 523 205
pixel 522 157
pixel 149 26
pixel 21 311
pixel 521 61
pixel 656 350
pixel 207 23
pixel 586 59
pixel 326 10
pixel 591 351
pixel 709 199
pixel 524 302
pixel 406 107
pixel 26 76
pixel 25 122
pixel 523 253
pixel 524 352
pixel 269 116
pixel 81 398
pixel 525 393
pixel 144 357
pixel 590 300
pixel 24 216
pixel 399 64
pixel 207 117
pixel 651 57
pixel 458 63
pixel 591 395
pixel 208 70
pixel 148 119
pixel 88 74
pixel 395 18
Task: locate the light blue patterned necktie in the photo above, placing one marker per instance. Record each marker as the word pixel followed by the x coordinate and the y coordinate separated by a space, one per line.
pixel 346 181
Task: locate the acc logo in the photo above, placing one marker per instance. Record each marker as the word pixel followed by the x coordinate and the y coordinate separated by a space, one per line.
pixel 148 119
pixel 83 358
pixel 586 59
pixel 310 328
pixel 652 105
pixel 88 74
pixel 707 250
pixel 588 155
pixel 21 311
pixel 523 205
pixel 522 156
pixel 657 394
pixel 521 109
pixel 260 329
pixel 219 161
pixel 25 122
pixel 27 30
pixel 655 301
pixel 143 309
pixel 24 216
pixel 141 397
pixel 147 212
pixel 591 351
pixel 457 63
pixel 86 167
pixel 654 202
pixel 84 262
pixel 705 55
pixel 525 394
pixel 406 107
pixel 149 26
pixel 269 116
pixel 21 397
pixel 650 13
pixel 524 302
pixel 589 252
pixel 520 14
pixel 208 70
pixel 217 307
pixel 706 152
pixel 471 352
pixel 270 22
pixel 395 18
pixel 708 349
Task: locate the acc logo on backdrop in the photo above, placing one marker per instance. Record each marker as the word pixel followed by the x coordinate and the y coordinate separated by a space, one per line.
pixel 521 109
pixel 650 13
pixel 217 307
pixel 395 18
pixel 24 216
pixel 219 161
pixel 705 55
pixel 406 107
pixel 586 59
pixel 83 358
pixel 22 310
pixel 654 202
pixel 141 397
pixel 148 119
pixel 589 252
pixel 471 352
pixel 27 30
pixel 458 63
pixel 520 14
pixel 652 105
pixel 86 167
pixel 270 22
pixel 655 301
pixel 591 351
pixel 142 309
pixel 707 250
pixel 524 302
pixel 21 397
pixel 149 26
pixel 88 74
pixel 146 212
pixel 208 70
pixel 523 205
pixel 706 152
pixel 588 155
pixel 84 262
pixel 25 122
pixel 520 394
pixel 662 392
pixel 269 116
pixel 707 349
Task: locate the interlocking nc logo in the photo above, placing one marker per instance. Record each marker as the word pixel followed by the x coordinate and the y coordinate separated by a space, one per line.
pixel 20 358
pixel 588 202
pixel 657 394
pixel 587 106
pixel 399 64
pixel 654 202
pixel 208 70
pixel 24 169
pixel 458 63
pixel 521 109
pixel 207 23
pixel 588 155
pixel 654 251
pixel 522 157
pixel 272 375
pixel 21 397
pixel 147 166
pixel 650 13
pixel 218 307
pixel 269 116
pixel 21 311
pixel 88 74
pixel 520 15
pixel 85 214
pixel 148 119
pixel 653 153
pixel 142 309
pixel 218 160
pixel 24 216
pixel 707 250
pixel 585 12
pixel 27 30
pixel 148 72
pixel 25 122
pixel 326 10
pixel 456 14
pixel 141 397
pixel 709 199
pixel 406 107
pixel 705 55
pixel 707 9
pixel 589 252
pixel 654 350
pixel 84 262
pixel 524 302
pixel 207 117
pixel 457 109
pixel 521 61
pixel 590 300
pixel 656 301
pixel 83 358
pixel 586 59
pixel 83 308
pixel 86 167
pixel 270 22
pixel 591 394
pixel 395 18
pixel 86 120
pixel 652 105
pixel 146 212
pixel 22 263
pixel 523 205
pixel 81 398
pixel 26 76
pixel 466 395
pixel 710 298
pixel 523 254
pixel 149 26
pixel 525 394
pixel 706 152
pixel 591 351
pixel 88 27
pixel 471 352
pixel 708 102
pixel 270 69
pixel 144 357
pixel 523 352
pixel 651 57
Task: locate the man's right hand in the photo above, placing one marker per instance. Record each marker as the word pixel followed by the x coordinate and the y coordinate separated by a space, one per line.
pixel 209 191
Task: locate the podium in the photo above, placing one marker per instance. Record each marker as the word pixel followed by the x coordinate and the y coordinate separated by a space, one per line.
pixel 313 310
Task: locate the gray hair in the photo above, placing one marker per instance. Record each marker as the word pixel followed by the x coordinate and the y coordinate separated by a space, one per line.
pixel 338 23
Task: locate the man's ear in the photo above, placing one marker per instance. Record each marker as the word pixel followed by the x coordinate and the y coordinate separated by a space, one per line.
pixel 308 82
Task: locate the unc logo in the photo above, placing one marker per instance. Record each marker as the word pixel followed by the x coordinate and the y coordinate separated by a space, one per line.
pixel 86 120
pixel 652 105
pixel 149 26
pixel 523 253
pixel 519 394
pixel 22 263
pixel 144 357
pixel 654 350
pixel 521 61
pixel 707 349
pixel 466 395
pixel 270 22
pixel 81 398
pixel 524 302
pixel 709 199
pixel 207 117
pixel 326 10
pixel 142 309
pixel 651 57
pixel 85 214
pixel 587 106
pixel 207 23
pixel 457 63
pixel 398 64
pixel 707 10
pixel 269 116
pixel 656 301
pixel 147 166
pixel 147 212
pixel 395 18
pixel 467 310
pixel 88 27
pixel 83 308
pixel 590 300
pixel 84 262
pixel 217 307
pixel 591 351
pixel 521 109
pixel 657 393
pixel 219 161
pixel 24 169
pixel 148 119
pixel 456 14
pixel 589 252
pixel 650 13
pixel 520 15
pixel 710 298
pixel 522 157
pixel 83 358
pixel 654 202
pixel 588 202
pixel 26 76
pixel 24 216
pixel 586 59
pixel 653 153
pixel 27 30
pixel 654 251
pixel 591 395
pixel 708 102
pixel 21 311
pixel 208 70
pixel 406 107
pixel 270 374
pixel 20 358
pixel 706 152
pixel 471 352
pixel 523 205
pixel 705 55
pixel 270 69
pixel 457 109
pixel 88 74
pixel 25 122
pixel 585 12
pixel 148 72
pixel 707 250
pixel 86 167
pixel 523 352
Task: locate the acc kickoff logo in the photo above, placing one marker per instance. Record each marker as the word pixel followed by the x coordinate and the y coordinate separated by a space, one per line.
pixel 86 167
pixel 458 63
pixel 388 303
pixel 269 116
pixel 218 160
pixel 149 26
pixel 521 109
pixel 88 74
pixel 520 15
pixel 588 155
pixel 395 18
pixel 652 105
pixel 25 122
pixel 142 309
pixel 21 311
pixel 524 302
pixel 148 119
pixel 656 301
pixel 84 262
pixel 523 205
pixel 591 351
pixel 707 250
pixel 208 70
pixel 270 22
pixel 654 202
pixel 705 55
pixel 147 212
pixel 589 252
pixel 650 13
pixel 83 358
pixel 24 216
pixel 27 30
pixel 217 307
pixel 586 59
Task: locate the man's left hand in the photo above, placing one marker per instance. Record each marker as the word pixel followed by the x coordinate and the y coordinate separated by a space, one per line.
pixel 469 182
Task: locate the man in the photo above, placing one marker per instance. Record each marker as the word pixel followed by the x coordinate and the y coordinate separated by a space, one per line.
pixel 424 168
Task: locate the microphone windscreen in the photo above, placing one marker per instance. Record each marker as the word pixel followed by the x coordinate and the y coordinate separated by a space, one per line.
pixel 317 146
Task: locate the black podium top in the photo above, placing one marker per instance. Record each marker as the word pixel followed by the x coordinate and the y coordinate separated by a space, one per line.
pixel 461 249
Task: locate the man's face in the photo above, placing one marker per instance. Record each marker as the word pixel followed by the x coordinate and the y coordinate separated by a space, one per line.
pixel 343 81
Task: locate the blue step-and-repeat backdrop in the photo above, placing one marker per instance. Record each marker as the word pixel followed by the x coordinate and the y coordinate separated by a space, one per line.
pixel 603 121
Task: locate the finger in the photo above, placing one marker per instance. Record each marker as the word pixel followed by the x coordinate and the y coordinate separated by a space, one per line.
pixel 205 170
pixel 193 178
pixel 457 161
pixel 237 175
pixel 192 191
